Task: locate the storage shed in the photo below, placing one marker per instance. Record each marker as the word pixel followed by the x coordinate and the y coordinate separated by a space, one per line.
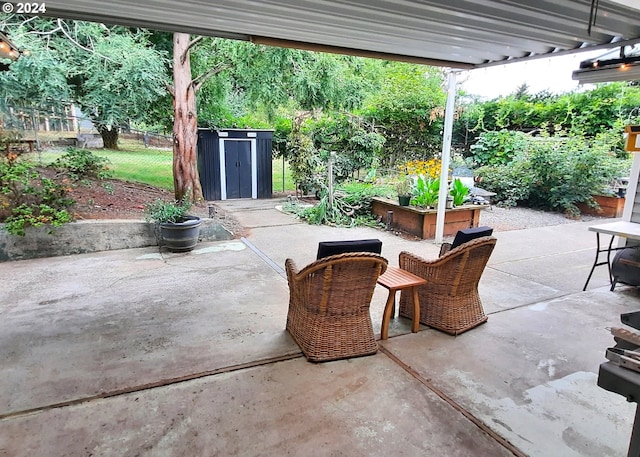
pixel 235 163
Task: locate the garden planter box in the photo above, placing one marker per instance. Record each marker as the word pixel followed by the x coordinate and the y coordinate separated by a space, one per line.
pixel 610 206
pixel 422 222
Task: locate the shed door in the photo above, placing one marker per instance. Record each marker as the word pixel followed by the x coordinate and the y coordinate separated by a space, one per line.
pixel 237 160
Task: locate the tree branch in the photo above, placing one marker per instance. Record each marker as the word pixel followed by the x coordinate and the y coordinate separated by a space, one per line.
pixel 84 48
pixel 171 90
pixel 195 41
pixel 50 32
pixel 6 23
pixel 199 80
pixel 191 44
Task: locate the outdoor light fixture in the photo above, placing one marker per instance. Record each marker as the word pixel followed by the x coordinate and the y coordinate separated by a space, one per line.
pixel 8 50
pixel 605 73
pixel 616 65
pixel 623 68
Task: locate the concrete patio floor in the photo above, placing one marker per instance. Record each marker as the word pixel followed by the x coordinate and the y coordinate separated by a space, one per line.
pixel 133 352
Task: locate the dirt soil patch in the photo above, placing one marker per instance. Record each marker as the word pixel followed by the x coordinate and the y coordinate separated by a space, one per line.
pixel 117 199
pixel 114 199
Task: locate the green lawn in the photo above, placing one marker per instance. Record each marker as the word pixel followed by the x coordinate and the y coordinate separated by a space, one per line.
pixel 276 168
pixel 134 162
pixel 150 166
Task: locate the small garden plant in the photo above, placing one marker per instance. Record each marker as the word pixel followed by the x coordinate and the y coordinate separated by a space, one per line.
pixel 459 192
pixel 163 212
pixel 403 186
pixel 426 192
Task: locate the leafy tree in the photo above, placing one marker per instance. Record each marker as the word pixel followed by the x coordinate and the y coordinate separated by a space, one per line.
pixel 186 180
pixel 407 110
pixel 115 75
pixel 235 78
pixel 268 81
pixel 355 142
pixel 578 113
pixel 110 72
pixel 37 79
pixel 598 110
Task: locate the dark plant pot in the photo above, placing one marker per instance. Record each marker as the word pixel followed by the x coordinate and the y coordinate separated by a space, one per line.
pixel 403 200
pixel 180 236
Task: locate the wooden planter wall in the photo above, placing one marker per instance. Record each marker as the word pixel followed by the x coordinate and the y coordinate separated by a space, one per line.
pixel 609 206
pixel 422 222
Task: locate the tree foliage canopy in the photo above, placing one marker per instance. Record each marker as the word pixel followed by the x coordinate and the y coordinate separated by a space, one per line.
pixel 263 82
pixel 588 113
pixel 120 75
pixel 408 111
pixel 371 113
pixel 112 73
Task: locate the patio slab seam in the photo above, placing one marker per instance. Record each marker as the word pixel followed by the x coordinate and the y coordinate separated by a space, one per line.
pixel 152 385
pixel 264 257
pixel 455 405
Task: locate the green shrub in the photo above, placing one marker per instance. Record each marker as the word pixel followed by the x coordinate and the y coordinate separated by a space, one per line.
pixel 28 199
pixel 497 148
pixel 81 163
pixel 568 172
pixel 307 170
pixel 554 174
pixel 511 183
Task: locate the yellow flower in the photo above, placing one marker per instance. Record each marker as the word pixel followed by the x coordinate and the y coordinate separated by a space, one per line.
pixel 429 168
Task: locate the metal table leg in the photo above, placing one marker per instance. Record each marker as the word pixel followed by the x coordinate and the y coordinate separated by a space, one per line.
pixel 597 264
pixel 634 445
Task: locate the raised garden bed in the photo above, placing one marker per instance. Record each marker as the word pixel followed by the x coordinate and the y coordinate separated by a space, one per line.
pixel 610 206
pixel 422 222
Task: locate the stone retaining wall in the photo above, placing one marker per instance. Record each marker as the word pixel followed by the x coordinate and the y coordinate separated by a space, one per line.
pixel 91 236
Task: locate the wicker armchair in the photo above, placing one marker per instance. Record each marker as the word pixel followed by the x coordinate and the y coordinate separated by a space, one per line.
pixel 464 236
pixel 449 301
pixel 329 305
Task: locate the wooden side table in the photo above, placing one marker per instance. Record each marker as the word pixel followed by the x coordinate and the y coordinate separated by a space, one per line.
pixel 396 279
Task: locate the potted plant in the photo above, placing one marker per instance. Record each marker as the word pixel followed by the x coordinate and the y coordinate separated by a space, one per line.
pixel 176 230
pixel 403 188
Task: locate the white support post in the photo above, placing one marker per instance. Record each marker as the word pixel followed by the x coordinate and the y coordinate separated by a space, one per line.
pixel 632 189
pixel 330 176
pixel 446 155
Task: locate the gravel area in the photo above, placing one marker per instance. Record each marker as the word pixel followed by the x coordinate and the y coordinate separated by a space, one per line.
pixel 504 219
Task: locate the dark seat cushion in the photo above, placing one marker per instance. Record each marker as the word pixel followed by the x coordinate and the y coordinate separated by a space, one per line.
pixel 327 248
pixel 466 235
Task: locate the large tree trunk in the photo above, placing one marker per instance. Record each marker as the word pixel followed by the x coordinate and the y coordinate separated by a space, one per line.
pixel 109 137
pixel 186 181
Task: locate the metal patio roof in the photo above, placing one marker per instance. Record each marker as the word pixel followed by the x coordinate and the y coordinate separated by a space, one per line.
pixel 454 33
